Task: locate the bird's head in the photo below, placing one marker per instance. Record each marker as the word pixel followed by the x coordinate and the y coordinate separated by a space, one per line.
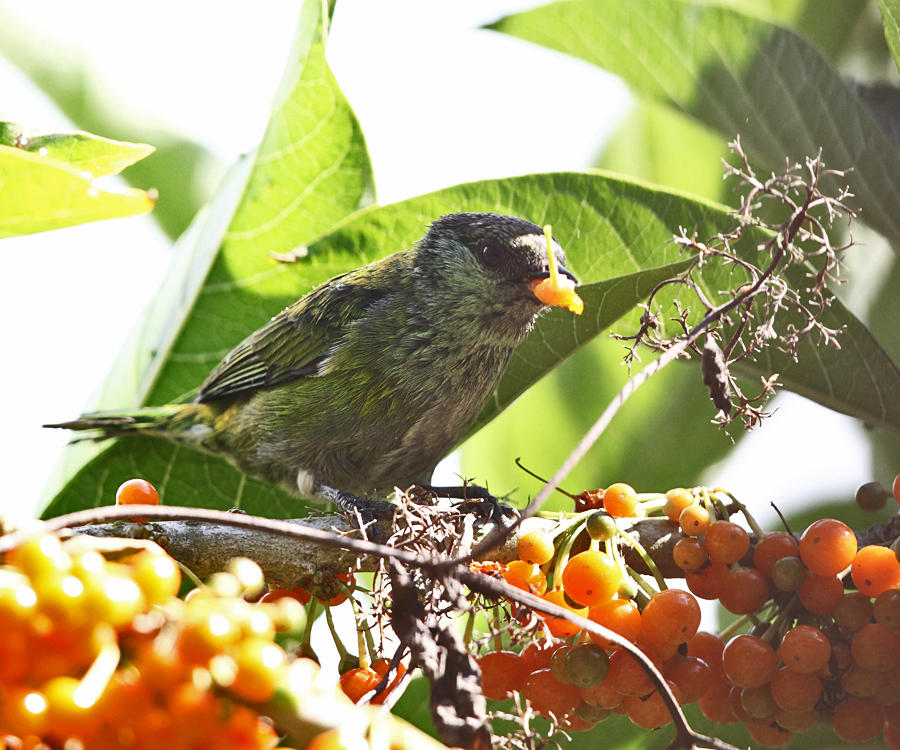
pixel 482 267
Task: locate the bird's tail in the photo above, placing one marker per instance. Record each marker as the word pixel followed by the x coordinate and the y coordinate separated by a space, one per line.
pixel 149 420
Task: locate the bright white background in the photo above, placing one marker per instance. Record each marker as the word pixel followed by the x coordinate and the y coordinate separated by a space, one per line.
pixel 440 101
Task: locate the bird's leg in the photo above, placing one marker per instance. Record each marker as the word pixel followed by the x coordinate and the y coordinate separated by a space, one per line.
pixel 475 499
pixel 370 512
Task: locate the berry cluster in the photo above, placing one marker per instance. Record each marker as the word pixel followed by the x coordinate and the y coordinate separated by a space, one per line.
pixel 816 650
pixel 823 618
pixel 105 653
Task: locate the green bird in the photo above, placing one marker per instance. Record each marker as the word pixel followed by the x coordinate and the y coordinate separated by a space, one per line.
pixel 370 379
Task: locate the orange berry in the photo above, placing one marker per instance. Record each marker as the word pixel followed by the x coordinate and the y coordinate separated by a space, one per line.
pixel 502 672
pixel 591 577
pixel 526 576
pixel 137 492
pixel 381 667
pixel 537 655
pixel 694 520
pixel 357 682
pixel 558 626
pixel 794 691
pixel 691 674
pixel 648 711
pixel 715 704
pixel 876 648
pixel 769 733
pixel 548 695
pixel 708 582
pixel 708 647
pixel 619 615
pixel 895 488
pixel 827 546
pixel 620 500
pixel 887 609
pixel 771 548
pixel 602 696
pixel 670 618
pixel 856 719
pixel 859 682
pixel 804 649
pixel 536 547
pixel 689 553
pixel 758 702
pixel 853 610
pixel 746 590
pixel 626 675
pixel 748 661
pixel 875 569
pixel 676 501
pixel 820 594
pixel 726 542
pixel 797 721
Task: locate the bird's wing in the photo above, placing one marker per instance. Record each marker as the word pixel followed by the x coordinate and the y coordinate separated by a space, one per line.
pixel 293 343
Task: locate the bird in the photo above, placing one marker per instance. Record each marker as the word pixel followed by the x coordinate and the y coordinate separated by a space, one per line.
pixel 369 380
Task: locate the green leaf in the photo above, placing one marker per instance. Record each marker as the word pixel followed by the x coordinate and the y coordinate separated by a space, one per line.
pixel 91 153
pixel 617 235
pixel 736 74
pixel 311 170
pixel 890 14
pixel 38 193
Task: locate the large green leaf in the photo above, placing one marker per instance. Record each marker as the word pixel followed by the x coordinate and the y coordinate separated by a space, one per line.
pixel 618 238
pixel 736 74
pixel 39 192
pixel 311 170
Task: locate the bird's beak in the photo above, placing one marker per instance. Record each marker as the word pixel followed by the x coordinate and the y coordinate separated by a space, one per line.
pixel 544 273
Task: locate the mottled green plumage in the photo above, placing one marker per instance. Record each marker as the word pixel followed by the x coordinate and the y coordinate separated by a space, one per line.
pixel 370 379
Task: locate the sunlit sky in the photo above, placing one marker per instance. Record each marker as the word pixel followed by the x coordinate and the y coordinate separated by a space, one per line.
pixel 440 101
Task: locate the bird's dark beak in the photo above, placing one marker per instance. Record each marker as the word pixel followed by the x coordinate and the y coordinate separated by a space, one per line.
pixel 544 273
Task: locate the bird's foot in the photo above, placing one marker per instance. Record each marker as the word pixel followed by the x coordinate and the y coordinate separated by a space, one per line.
pixel 370 513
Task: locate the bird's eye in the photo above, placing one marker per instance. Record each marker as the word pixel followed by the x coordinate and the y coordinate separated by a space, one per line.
pixel 490 256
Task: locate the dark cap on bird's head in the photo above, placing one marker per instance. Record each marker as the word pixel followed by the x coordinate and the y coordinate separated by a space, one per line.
pixel 512 248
